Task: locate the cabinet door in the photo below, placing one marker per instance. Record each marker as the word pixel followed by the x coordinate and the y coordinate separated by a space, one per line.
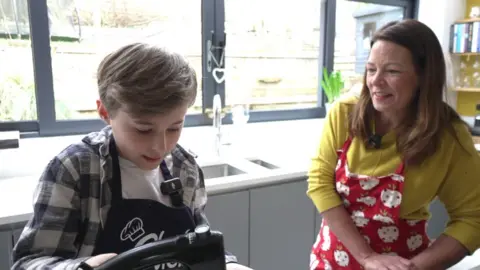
pixel 228 213
pixel 16 235
pixel 282 225
pixel 318 222
pixel 5 249
pixel 436 225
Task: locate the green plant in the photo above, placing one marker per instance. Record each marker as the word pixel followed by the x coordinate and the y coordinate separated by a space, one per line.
pixel 17 100
pixel 332 84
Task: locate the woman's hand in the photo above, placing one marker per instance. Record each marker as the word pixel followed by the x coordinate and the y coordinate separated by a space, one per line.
pixel 387 262
pixel 236 266
pixel 99 259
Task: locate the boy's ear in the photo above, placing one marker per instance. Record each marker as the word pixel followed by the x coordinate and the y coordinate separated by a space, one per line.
pixel 102 112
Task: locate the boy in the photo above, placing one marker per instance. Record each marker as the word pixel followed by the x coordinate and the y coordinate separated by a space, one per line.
pixel 102 196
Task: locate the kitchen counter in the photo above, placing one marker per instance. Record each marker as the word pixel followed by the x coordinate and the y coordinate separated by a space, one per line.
pixel 16 194
pixel 16 198
pixel 259 141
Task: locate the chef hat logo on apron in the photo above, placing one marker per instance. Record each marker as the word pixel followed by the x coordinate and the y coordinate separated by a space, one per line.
pixel 133 230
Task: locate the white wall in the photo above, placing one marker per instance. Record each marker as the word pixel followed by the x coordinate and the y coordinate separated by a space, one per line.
pixel 438 15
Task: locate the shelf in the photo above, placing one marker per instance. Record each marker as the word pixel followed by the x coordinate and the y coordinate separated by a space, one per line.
pixel 464 89
pixel 468 20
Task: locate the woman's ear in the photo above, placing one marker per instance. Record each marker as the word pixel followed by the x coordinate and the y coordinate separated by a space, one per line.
pixel 102 112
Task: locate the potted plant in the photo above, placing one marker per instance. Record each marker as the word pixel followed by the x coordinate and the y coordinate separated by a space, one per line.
pixel 332 85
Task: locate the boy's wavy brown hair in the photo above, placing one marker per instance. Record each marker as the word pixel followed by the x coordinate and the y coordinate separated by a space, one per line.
pixel 145 79
pixel 428 117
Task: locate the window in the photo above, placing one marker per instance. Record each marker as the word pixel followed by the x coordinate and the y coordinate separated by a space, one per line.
pixel 17 91
pixel 272 60
pixel 356 21
pixel 368 29
pixel 17 88
pixel 83 32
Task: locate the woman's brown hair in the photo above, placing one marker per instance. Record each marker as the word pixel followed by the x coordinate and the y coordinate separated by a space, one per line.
pixel 420 133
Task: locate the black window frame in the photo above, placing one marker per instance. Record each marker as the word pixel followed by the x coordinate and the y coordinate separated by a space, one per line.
pixel 212 16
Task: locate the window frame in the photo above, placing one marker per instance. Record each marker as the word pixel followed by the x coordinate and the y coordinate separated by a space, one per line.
pixel 410 7
pixel 212 18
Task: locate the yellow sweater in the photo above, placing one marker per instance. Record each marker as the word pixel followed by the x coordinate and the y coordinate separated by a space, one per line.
pixel 452 174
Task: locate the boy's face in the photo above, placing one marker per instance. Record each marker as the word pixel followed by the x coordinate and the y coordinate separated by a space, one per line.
pixel 145 141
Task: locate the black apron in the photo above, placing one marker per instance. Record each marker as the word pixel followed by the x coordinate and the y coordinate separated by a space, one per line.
pixel 135 222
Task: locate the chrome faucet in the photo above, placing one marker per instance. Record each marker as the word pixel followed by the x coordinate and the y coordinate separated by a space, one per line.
pixel 217 122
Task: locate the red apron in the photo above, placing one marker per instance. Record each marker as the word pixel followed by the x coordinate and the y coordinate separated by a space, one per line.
pixel 374 205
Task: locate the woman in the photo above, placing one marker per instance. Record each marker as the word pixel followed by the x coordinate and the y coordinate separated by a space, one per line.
pixel 384 156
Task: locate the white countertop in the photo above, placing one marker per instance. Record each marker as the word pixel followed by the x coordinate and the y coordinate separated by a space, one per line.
pixel 16 194
pixel 16 198
pixel 285 144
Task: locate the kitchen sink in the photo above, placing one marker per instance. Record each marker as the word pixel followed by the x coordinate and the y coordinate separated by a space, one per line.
pixel 220 170
pixel 263 163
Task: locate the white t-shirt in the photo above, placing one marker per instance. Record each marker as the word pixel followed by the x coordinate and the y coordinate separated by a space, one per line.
pixel 141 184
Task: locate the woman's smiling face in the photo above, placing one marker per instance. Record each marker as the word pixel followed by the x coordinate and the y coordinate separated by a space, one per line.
pixel 391 77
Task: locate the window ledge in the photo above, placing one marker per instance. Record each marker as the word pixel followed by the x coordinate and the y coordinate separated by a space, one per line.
pixel 9 139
